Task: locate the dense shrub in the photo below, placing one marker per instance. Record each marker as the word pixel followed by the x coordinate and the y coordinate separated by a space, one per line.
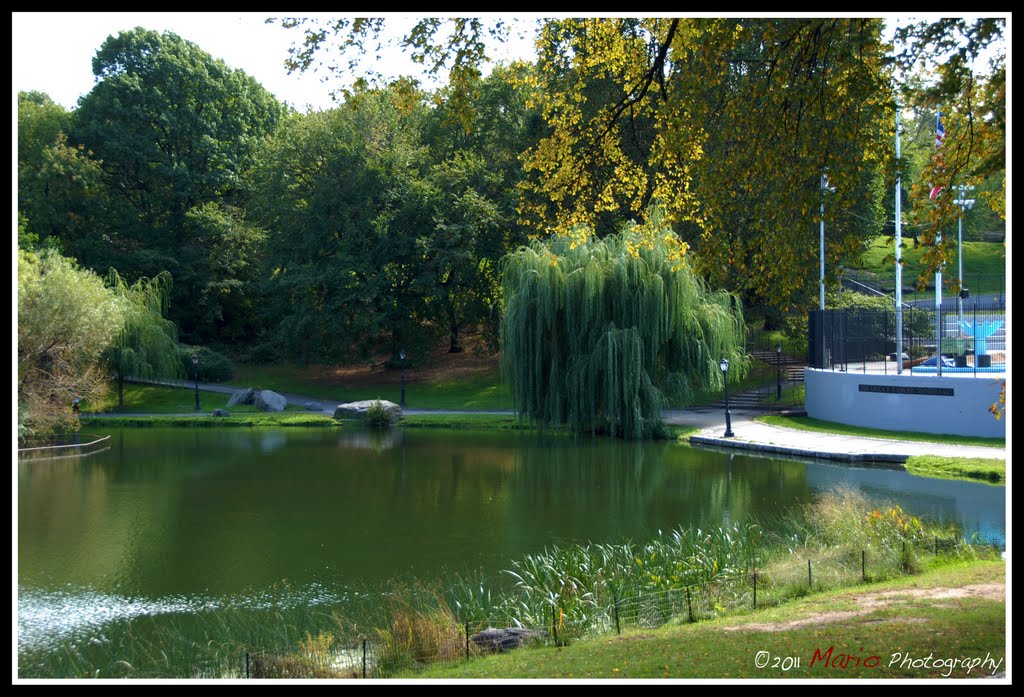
pixel 212 366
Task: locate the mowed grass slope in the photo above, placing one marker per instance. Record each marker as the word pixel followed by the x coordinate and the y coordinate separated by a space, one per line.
pixel 981 259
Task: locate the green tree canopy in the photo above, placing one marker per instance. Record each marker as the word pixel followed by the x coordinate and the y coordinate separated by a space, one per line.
pixel 175 130
pixel 600 335
pixel 342 197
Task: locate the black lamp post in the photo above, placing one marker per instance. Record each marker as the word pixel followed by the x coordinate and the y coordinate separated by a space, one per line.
pixel 401 358
pixel 778 372
pixel 724 366
pixel 195 373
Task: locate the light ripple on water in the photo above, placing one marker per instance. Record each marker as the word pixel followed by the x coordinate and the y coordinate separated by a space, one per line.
pixel 46 618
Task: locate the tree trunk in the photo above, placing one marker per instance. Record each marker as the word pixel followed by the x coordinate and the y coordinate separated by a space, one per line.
pixel 455 346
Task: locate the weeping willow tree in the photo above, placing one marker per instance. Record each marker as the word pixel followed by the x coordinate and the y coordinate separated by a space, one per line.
pixel 599 336
pixel 147 344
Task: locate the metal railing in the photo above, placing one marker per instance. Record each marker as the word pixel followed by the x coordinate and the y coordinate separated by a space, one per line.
pixel 955 341
pixel 63 445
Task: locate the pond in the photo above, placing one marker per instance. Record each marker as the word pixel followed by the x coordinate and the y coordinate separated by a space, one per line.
pixel 171 520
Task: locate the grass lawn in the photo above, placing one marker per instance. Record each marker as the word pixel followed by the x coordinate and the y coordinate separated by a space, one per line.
pixel 980 259
pixel 806 423
pixel 875 631
pixel 471 389
pixel 157 399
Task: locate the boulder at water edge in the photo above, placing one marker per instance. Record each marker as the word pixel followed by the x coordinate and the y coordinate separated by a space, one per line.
pixel 358 410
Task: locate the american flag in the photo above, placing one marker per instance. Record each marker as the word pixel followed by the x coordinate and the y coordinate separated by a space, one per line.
pixel 940 135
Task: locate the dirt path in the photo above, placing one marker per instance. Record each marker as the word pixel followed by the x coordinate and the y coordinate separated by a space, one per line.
pixel 869 602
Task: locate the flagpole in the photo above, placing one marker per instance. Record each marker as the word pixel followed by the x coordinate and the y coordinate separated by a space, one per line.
pixel 899 254
pixel 939 137
pixel 821 246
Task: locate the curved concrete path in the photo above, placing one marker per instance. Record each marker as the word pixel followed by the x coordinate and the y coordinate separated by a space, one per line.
pixel 749 434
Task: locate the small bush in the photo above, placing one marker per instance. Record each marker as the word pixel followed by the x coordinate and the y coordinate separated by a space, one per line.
pixel 212 366
pixel 378 416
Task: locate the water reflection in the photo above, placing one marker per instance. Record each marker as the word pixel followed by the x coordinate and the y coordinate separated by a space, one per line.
pixel 209 515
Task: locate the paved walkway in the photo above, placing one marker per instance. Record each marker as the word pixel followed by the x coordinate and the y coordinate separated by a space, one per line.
pixel 748 434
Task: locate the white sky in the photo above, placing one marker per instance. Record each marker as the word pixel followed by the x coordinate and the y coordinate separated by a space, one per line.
pixel 52 52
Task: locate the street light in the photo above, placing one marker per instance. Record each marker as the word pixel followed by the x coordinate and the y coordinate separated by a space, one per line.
pixel 724 366
pixel 195 373
pixel 401 358
pixel 778 372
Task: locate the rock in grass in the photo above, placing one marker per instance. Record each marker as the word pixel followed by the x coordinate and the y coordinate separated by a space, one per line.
pixel 506 639
pixel 266 400
pixel 245 396
pixel 221 412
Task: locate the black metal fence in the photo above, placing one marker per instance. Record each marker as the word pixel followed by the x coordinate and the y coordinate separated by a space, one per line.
pixel 412 646
pixel 970 339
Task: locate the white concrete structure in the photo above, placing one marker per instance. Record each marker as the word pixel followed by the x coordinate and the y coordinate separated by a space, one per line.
pixel 954 405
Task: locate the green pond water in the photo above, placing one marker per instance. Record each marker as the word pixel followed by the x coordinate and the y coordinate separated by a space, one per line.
pixel 175 521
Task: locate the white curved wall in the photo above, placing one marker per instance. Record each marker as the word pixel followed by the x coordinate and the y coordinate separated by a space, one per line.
pixel 947 405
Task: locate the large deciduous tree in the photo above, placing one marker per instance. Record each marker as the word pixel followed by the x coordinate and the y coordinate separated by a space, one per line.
pixel 731 124
pixel 956 67
pixel 60 184
pixel 175 130
pixel 344 204
pixel 601 335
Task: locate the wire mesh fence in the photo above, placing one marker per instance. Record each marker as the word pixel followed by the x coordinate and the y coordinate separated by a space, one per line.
pixel 423 640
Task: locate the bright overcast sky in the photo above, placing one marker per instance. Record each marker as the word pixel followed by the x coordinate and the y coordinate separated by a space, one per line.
pixel 52 52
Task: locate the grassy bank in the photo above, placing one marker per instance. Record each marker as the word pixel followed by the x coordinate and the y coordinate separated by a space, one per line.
pixel 806 423
pixel 986 259
pixel 992 470
pixel 899 621
pixel 252 420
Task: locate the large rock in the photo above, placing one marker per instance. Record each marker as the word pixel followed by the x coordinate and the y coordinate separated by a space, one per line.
pixel 506 639
pixel 266 400
pixel 242 397
pixel 359 410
